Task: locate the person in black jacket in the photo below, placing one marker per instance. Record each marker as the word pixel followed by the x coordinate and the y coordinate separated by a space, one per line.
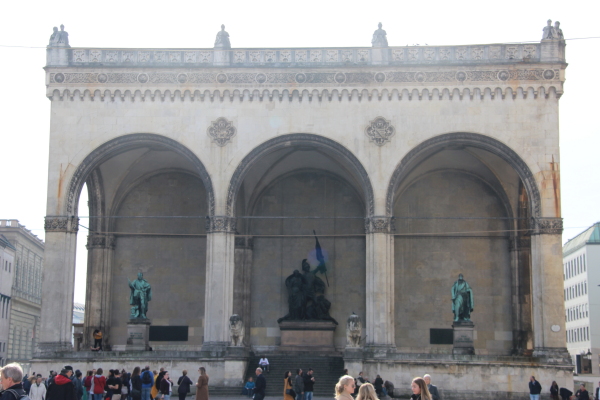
pixel 10 379
pixel 261 385
pixel 63 387
pixel 136 384
pixel 534 389
pixel 184 383
pixel 598 391
pixel 299 385
pixel 309 382
pixel 582 393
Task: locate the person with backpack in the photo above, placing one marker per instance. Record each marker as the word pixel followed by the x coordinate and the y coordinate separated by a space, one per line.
pixel 147 383
pixel 184 383
pixel 11 376
pixel 98 383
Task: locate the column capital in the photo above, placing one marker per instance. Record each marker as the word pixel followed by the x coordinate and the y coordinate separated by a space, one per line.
pixel 379 224
pixel 100 240
pixel 244 242
pixel 546 226
pixel 220 223
pixel 61 223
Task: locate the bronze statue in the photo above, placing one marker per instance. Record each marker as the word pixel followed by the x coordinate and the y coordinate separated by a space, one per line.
pixel 306 300
pixel 462 300
pixel 141 294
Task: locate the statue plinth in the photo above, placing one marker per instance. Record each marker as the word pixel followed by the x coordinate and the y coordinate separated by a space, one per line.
pixel 307 335
pixel 138 334
pixel 463 337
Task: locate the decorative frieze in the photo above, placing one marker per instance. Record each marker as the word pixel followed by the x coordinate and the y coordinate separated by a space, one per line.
pixel 100 240
pixel 380 131
pixel 61 224
pixel 546 226
pixel 220 224
pixel 379 224
pixel 221 131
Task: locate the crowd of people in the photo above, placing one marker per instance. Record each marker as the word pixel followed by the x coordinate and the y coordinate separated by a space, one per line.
pixel 116 385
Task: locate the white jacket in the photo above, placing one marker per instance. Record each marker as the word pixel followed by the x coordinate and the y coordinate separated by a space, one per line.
pixel 37 392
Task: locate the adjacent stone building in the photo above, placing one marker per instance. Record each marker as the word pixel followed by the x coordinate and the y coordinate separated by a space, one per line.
pixel 7 262
pixel 26 303
pixel 581 264
pixel 209 169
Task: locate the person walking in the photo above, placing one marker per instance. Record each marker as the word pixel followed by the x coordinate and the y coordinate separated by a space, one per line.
pixel 184 383
pixel 156 387
pixel 37 390
pixel 534 389
pixel 261 385
pixel 345 388
pixel 367 392
pixel 309 383
pixel 288 386
pixel 166 386
pixel 554 390
pixel 136 384
pixel 202 385
pixel 419 389
pixel 435 395
pixel 299 385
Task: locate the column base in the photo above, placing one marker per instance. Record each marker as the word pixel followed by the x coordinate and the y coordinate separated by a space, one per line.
pixel 553 355
pixel 51 348
pixel 215 347
pixel 379 350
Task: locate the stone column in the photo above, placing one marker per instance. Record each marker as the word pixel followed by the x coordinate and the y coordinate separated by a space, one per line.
pixel 547 287
pixel 243 279
pixel 520 256
pixel 58 284
pixel 220 263
pixel 380 285
pixel 98 287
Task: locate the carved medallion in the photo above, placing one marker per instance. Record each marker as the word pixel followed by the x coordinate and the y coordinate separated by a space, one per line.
pixel 221 78
pixel 182 78
pixel 221 131
pixel 548 74
pixel 261 78
pixel 300 78
pixel 461 76
pixel 102 78
pixel 503 75
pixel 340 77
pixel 380 131
pixel 143 78
pixel 380 77
pixel 59 78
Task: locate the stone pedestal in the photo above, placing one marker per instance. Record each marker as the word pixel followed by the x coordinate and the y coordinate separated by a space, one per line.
pixel 138 335
pixel 463 337
pixel 307 335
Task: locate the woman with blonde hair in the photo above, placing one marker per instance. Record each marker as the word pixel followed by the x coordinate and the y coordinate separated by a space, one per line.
pixel 419 389
pixel 366 391
pixel 345 388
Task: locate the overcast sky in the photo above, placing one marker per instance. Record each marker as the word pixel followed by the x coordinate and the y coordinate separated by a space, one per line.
pixel 25 111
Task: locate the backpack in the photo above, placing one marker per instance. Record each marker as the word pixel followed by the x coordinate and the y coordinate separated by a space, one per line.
pixel 17 397
pixel 146 378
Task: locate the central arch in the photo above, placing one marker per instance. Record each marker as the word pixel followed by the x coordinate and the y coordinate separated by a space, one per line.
pixel 300 139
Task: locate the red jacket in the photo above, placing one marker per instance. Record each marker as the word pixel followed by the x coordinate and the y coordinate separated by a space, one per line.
pixel 99 383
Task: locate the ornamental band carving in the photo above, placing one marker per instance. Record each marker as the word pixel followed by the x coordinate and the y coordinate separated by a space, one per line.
pixel 379 225
pixel 95 240
pixel 220 224
pixel 546 226
pixel 61 224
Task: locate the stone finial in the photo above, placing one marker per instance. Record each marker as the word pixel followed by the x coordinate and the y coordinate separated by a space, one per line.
pixel 353 331
pixel 222 40
pixel 236 330
pixel 59 38
pixel 379 37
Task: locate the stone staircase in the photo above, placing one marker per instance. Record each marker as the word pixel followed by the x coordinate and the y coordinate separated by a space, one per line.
pixel 327 371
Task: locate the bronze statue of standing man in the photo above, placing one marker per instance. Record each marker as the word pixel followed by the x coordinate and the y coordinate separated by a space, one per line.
pixel 462 300
pixel 141 294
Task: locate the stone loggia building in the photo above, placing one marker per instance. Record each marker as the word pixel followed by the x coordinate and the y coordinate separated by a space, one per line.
pixel 208 169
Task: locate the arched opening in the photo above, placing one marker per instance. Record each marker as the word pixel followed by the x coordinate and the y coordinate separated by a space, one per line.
pixel 280 193
pixel 462 204
pixel 148 199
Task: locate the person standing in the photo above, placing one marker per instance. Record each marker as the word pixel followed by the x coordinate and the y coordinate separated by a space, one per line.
pixel 10 379
pixel 345 388
pixel 147 378
pixel 582 393
pixel 63 387
pixel 554 390
pixel 419 389
pixel 366 392
pixel 598 391
pixel 299 385
pixel 261 385
pixel 166 386
pixel 534 389
pixel 38 390
pixel 432 388
pixel 378 384
pixel 202 385
pixel 309 382
pixel 136 384
pixel 98 383
pixel 184 383
pixel 288 386
pixel 78 385
pixel 264 364
pixel 156 387
pixel 87 384
pixel 97 340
